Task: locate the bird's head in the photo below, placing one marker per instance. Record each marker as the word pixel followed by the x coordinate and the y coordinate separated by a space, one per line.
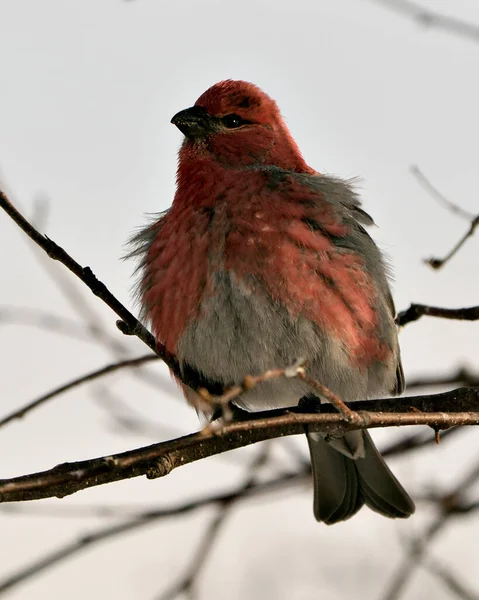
pixel 239 126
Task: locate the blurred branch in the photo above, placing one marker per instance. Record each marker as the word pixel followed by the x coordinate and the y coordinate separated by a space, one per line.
pixel 450 580
pixel 282 482
pixel 437 263
pixel 463 376
pixel 63 510
pixel 123 418
pixel 129 323
pixel 188 580
pixel 202 552
pixel 439 196
pixel 437 411
pixel 416 441
pixel 450 504
pixel 19 315
pixel 92 322
pixel 70 290
pixel 111 368
pixel 433 19
pixel 416 311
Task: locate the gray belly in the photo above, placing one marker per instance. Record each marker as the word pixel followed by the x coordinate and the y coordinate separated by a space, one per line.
pixel 242 333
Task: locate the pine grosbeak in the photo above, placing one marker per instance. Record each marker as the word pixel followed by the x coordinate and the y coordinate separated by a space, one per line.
pixel 262 260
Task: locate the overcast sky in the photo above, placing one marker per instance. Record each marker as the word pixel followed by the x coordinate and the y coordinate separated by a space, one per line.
pixel 87 93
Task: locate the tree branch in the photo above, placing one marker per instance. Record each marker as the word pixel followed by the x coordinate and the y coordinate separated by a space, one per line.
pixel 111 368
pixel 439 196
pixel 429 18
pixel 440 411
pixel 450 504
pixel 451 581
pixel 437 263
pixel 130 323
pixel 416 311
pixel 463 376
pixel 186 583
pixel 135 522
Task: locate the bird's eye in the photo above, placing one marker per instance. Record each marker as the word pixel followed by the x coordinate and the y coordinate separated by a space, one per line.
pixel 233 121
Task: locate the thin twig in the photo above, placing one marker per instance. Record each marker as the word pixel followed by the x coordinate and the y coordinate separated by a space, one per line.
pixel 187 581
pixel 92 322
pixel 450 580
pixel 158 460
pixel 131 325
pixel 202 552
pixel 296 370
pixel 416 311
pixel 463 377
pixel 437 263
pixel 72 295
pixel 432 19
pixel 47 321
pixel 439 196
pixel 350 415
pixel 249 382
pixel 92 375
pixel 451 504
pixel 287 482
pixel 63 510
pixel 416 441
pixel 125 419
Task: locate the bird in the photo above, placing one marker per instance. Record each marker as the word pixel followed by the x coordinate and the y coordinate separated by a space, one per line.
pixel 262 260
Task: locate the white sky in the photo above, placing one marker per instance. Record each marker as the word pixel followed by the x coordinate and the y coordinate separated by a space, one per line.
pixel 87 92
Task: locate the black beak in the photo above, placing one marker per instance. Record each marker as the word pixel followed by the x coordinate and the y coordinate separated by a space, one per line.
pixel 195 122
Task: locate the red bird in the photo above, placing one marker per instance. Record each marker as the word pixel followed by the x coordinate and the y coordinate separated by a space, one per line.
pixel 262 260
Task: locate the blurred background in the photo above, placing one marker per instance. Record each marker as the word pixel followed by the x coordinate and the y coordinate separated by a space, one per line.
pixel 87 90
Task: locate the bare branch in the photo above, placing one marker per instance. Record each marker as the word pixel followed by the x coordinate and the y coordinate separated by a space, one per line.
pixel 450 504
pixel 131 325
pixel 124 418
pixel 202 552
pixel 416 441
pixel 188 580
pixel 432 19
pixel 63 510
pixel 111 368
pixel 440 411
pixel 437 263
pixel 287 481
pixel 71 292
pixel 439 196
pixel 416 311
pixel 19 315
pixel 450 580
pixel 463 376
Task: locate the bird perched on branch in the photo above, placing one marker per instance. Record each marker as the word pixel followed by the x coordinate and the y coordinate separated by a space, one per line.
pixel 262 260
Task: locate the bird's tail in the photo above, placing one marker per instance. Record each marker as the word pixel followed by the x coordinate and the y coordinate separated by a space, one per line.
pixel 349 472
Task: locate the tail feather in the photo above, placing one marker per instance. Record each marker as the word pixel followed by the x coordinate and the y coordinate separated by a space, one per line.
pixel 343 484
pixel 337 493
pixel 383 492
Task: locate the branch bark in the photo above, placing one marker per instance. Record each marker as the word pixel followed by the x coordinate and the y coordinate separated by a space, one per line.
pixel 440 411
